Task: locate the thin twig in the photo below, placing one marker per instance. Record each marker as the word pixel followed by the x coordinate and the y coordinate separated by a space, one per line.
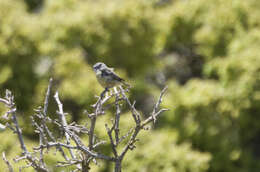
pixel 19 133
pixel 155 109
pixel 63 121
pixel 109 132
pixel 46 101
pixel 117 119
pixel 135 113
pixel 140 126
pixel 81 155
pixel 44 125
pixel 10 168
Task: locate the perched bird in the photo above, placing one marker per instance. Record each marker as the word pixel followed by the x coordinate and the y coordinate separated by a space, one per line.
pixel 106 76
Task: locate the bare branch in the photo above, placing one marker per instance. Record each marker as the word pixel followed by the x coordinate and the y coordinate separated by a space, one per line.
pixel 10 168
pixel 19 132
pixel 117 119
pixel 135 113
pixel 109 132
pixel 46 101
pixel 152 117
pixel 132 140
pixel 4 101
pixel 81 155
pixel 44 116
pixel 63 121
pixel 126 135
pixel 99 143
pixel 155 109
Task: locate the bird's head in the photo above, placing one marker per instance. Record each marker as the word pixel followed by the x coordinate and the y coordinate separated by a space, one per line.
pixel 98 66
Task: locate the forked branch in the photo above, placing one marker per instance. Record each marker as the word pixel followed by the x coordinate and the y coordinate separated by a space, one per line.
pixel 70 144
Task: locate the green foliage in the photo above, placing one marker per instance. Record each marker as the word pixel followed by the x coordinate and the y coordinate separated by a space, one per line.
pixel 158 151
pixel 18 53
pixel 124 34
pixel 218 113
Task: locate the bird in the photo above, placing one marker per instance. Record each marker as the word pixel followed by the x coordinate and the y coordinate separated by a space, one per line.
pixel 107 77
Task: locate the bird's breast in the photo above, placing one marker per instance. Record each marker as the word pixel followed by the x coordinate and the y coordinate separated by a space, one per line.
pixel 106 81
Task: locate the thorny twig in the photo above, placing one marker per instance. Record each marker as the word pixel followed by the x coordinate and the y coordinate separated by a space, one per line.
pixel 32 160
pixel 81 155
pixel 139 125
pixel 43 128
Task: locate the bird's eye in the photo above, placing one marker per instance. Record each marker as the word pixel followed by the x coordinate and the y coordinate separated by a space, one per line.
pixel 97 67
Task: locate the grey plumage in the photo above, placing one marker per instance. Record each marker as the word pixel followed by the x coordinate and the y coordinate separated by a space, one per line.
pixel 106 76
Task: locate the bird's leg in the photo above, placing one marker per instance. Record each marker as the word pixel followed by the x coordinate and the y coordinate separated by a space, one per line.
pixel 103 93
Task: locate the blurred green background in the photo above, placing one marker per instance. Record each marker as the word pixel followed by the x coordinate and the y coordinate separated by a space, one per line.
pixel 206 51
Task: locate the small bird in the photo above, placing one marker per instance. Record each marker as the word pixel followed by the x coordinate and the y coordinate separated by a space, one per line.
pixel 106 76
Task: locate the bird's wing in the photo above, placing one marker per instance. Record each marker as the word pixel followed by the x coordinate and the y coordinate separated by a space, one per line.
pixel 111 74
pixel 112 69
